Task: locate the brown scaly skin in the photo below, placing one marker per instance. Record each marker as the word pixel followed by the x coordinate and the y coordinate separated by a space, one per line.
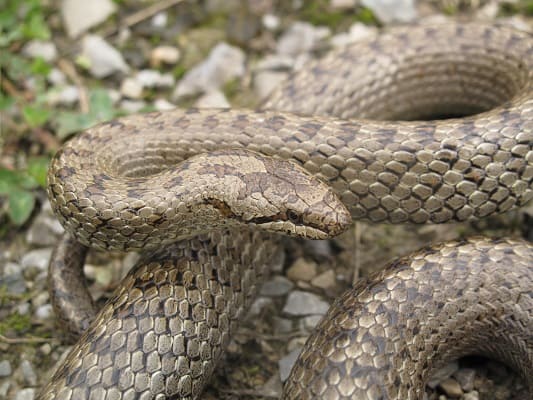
pixel 110 187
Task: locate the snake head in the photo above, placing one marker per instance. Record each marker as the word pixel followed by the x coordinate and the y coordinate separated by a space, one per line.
pixel 277 195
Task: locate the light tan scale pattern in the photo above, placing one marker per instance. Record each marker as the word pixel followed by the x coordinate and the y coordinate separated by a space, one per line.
pixel 162 334
pixel 113 187
pixel 383 338
pixel 429 171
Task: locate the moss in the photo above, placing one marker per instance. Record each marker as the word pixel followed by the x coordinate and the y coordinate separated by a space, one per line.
pixel 15 323
pixel 319 12
pixel 524 7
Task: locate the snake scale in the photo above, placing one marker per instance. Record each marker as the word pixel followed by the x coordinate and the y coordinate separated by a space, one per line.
pixel 200 191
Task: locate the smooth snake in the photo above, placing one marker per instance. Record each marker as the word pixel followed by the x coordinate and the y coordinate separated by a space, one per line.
pixel 120 185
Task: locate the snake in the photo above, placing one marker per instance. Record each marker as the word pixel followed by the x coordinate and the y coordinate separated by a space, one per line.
pixel 420 124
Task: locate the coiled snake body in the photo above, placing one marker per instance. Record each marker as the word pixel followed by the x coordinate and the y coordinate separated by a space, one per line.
pixel 120 185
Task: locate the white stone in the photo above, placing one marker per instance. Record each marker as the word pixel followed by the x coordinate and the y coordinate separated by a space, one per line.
pixel 163 105
pixel 5 368
pixel 388 11
pixel 103 58
pixel 160 20
pixel 214 99
pixel 132 106
pixel 223 64
pixel 81 15
pixel 56 77
pixel 131 88
pixel 301 37
pixel 40 48
pixel 357 32
pixel 277 286
pixel 270 21
pixel 25 394
pixel 151 78
pixel 276 62
pixel 44 312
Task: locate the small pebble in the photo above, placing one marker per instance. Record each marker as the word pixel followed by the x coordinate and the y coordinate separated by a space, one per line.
pixel 104 59
pixel 301 37
pixel 151 78
pixel 266 81
pixel 164 55
pixel 466 378
pixel 309 323
pixel 80 16
pixel 44 312
pixel 302 270
pixel 286 363
pixel 160 20
pixel 342 4
pixel 270 22
pixel 38 258
pixel 277 286
pixel 163 105
pixel 132 106
pixel 25 394
pixel 258 305
pixel 451 387
pixel 388 11
pixel 30 378
pixel 5 368
pixel 442 374
pixel 325 280
pixel 56 77
pixel 45 349
pixel 131 88
pixel 40 48
pixel 473 395
pixel 214 99
pixel 305 303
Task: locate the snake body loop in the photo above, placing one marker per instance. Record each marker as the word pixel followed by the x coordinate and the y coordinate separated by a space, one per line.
pixel 122 185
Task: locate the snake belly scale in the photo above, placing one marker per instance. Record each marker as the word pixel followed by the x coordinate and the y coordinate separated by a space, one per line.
pixel 110 187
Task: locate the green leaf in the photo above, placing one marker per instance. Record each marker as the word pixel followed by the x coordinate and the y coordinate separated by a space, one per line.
pixel 70 122
pixel 101 105
pixel 20 206
pixel 35 116
pixel 38 168
pixel 15 180
pixel 40 67
pixel 36 28
pixel 6 102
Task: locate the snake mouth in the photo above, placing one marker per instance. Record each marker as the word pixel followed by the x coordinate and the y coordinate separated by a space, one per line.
pixel 287 228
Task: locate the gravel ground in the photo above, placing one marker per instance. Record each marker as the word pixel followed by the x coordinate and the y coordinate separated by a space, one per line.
pixel 181 56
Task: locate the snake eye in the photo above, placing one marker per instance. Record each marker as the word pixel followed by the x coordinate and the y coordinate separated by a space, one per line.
pixel 293 216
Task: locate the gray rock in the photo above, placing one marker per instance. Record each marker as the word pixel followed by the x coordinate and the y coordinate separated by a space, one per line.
pixel 4 389
pixel 44 312
pixel 25 394
pixel 79 16
pixel 38 258
pixel 30 378
pixel 277 286
pixel 301 37
pixel 131 88
pixel 357 32
pixel 466 378
pixel 23 308
pixel 286 363
pixel 160 20
pixel 388 11
pixel 275 62
pixel 258 305
pixel 442 374
pixel 45 229
pixel 5 368
pixel 451 388
pixel 282 325
pixel 304 303
pixel 40 48
pixel 56 77
pixel 163 105
pixel 164 55
pixel 266 81
pixel 13 279
pixel 302 270
pixel 214 99
pixel 223 64
pixel 104 59
pixel 41 299
pixel 309 323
